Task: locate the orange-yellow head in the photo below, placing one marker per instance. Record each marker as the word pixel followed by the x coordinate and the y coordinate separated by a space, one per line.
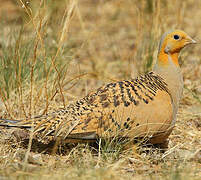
pixel 171 44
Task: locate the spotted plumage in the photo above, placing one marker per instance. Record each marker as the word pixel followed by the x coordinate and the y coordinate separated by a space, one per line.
pixel 141 107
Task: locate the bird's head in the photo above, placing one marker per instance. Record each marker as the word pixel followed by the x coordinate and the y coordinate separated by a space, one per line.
pixel 172 43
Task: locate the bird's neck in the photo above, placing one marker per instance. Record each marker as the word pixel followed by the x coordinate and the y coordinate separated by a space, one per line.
pixel 167 67
pixel 164 58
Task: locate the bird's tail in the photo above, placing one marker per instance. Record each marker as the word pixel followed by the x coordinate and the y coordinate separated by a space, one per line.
pixel 14 123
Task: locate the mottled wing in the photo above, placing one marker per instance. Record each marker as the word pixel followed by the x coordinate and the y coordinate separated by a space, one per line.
pixel 133 108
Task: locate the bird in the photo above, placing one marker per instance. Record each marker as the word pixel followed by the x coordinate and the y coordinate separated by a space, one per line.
pixel 142 107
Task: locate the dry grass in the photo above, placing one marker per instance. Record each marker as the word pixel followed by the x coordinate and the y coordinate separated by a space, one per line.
pixel 53 53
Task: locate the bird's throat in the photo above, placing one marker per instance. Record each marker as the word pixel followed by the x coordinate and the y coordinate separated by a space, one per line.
pixel 164 58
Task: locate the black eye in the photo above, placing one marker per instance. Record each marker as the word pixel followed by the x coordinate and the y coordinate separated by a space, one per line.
pixel 176 37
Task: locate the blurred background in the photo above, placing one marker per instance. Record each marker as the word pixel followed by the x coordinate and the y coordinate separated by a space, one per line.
pixel 55 52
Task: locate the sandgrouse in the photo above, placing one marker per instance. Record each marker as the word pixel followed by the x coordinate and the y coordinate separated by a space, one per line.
pixel 136 108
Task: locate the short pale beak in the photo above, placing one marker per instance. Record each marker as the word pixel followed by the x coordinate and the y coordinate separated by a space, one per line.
pixel 190 40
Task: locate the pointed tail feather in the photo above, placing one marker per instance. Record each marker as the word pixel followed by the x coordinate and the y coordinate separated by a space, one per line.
pixel 14 123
